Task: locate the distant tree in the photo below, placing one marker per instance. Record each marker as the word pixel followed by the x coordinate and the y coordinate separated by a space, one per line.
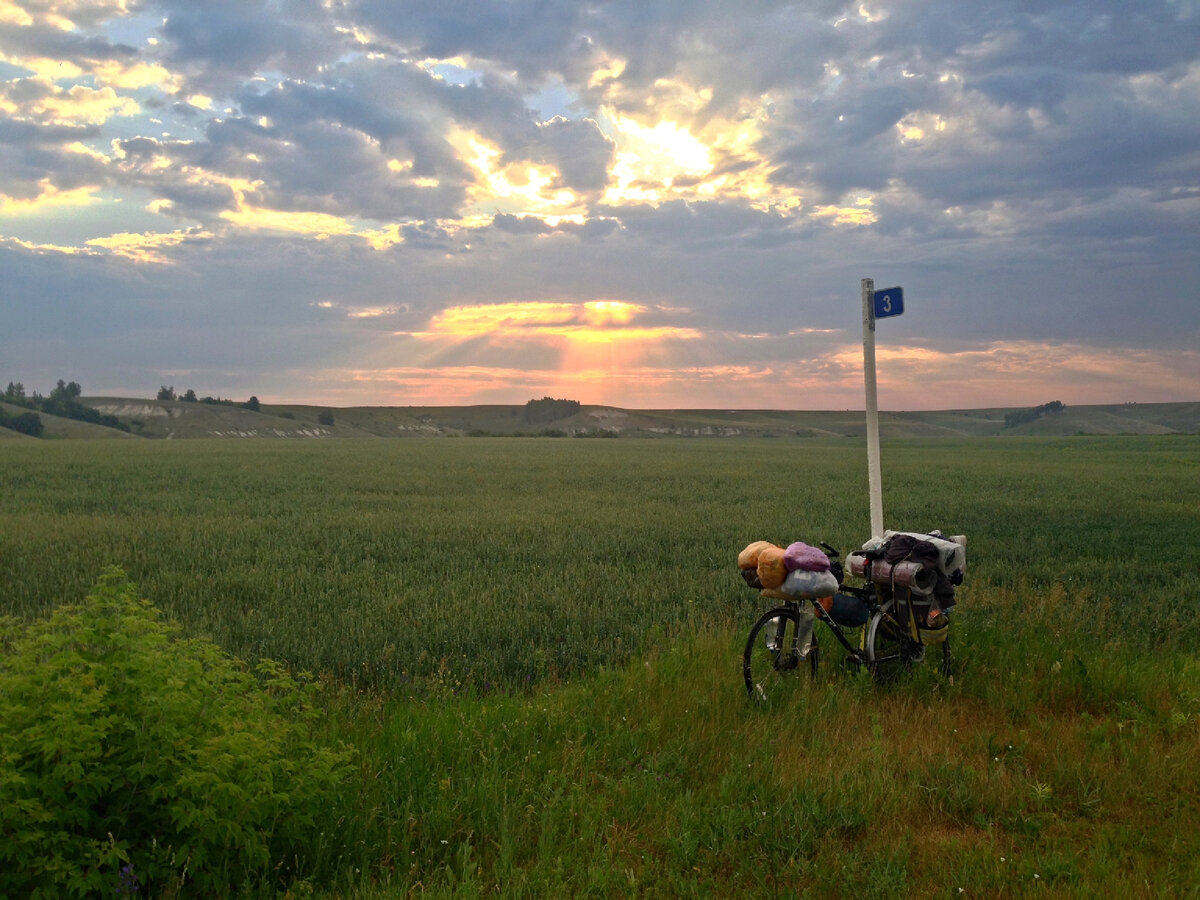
pixel 15 393
pixel 63 400
pixel 66 391
pixel 166 393
pixel 29 423
pixel 1022 416
pixel 548 410
pixel 325 417
pixel 252 404
pixel 189 396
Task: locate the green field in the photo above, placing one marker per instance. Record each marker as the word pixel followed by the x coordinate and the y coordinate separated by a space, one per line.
pixel 535 643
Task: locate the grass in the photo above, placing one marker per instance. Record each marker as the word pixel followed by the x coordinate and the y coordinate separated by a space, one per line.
pixel 535 645
pixel 658 779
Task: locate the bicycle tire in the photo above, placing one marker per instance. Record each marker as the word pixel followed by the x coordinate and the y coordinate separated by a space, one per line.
pixel 890 652
pixel 772 658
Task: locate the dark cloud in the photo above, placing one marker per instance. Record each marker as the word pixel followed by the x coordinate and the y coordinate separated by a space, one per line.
pixel 34 156
pixel 521 225
pixel 219 43
pixel 578 149
pixel 531 38
pixel 68 46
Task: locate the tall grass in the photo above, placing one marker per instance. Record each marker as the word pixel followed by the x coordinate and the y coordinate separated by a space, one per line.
pixel 507 562
pixel 659 779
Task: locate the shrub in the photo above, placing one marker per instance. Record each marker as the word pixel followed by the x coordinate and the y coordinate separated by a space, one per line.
pixel 131 757
pixel 29 423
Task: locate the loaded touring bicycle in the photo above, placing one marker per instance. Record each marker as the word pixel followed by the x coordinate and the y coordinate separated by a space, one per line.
pixel 901 611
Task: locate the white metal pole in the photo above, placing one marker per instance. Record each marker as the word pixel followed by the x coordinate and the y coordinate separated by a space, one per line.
pixel 873 476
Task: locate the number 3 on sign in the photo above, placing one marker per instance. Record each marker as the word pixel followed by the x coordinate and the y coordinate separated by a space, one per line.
pixel 889 302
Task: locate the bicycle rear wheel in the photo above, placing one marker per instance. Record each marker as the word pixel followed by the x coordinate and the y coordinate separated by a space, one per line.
pixel 890 651
pixel 780 648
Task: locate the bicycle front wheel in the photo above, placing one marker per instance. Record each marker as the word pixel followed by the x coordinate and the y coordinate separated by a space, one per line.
pixel 890 651
pixel 782 646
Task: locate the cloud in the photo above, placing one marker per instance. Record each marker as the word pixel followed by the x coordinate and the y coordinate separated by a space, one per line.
pixel 338 182
pixel 148 248
pixel 40 100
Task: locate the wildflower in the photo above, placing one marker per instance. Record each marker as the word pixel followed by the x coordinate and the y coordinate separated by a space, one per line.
pixel 127 880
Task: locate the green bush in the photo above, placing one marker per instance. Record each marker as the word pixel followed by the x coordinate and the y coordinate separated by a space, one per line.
pixel 131 757
pixel 29 423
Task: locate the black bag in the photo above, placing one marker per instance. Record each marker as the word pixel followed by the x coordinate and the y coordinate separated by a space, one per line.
pixel 848 610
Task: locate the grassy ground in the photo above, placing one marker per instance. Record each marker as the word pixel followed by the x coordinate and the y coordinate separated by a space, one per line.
pixel 535 645
pixel 1033 772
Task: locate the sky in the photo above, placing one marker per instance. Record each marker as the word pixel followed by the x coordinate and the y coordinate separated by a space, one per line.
pixel 642 203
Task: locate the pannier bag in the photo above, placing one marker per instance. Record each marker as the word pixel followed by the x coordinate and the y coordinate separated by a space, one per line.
pixel 847 610
pixel 935 634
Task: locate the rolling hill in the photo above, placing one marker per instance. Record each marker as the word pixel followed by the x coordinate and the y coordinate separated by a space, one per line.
pixel 176 419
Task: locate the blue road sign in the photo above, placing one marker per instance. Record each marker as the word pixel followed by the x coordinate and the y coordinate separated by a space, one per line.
pixel 889 302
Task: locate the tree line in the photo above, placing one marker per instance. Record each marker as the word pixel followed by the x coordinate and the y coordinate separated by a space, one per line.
pixel 167 392
pixel 1021 416
pixel 549 409
pixel 63 402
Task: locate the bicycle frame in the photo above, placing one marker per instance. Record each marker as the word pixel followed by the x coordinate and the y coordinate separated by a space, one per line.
pixel 859 653
pixel 870 595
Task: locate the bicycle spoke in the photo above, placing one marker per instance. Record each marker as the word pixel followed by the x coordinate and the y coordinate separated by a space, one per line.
pixel 778 652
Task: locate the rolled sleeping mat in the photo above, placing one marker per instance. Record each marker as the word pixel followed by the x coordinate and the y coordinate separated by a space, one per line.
pixel 952 552
pixel 911 575
pixel 857 565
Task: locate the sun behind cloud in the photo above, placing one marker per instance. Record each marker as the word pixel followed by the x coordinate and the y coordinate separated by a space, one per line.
pixel 593 321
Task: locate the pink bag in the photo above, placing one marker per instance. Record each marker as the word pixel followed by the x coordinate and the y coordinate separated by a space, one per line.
pixel 809 559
